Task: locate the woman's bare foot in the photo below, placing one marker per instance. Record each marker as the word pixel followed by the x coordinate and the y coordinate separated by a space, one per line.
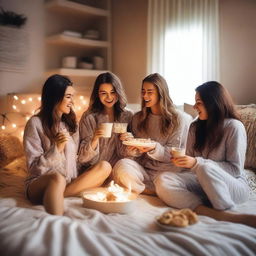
pixel 246 219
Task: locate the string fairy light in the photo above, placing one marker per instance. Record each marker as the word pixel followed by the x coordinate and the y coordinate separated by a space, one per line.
pixel 23 106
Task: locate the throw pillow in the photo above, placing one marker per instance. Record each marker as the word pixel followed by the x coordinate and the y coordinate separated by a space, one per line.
pixel 248 117
pixel 10 149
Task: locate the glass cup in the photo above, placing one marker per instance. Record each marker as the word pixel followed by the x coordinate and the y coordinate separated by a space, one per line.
pixel 120 127
pixel 107 129
pixel 177 152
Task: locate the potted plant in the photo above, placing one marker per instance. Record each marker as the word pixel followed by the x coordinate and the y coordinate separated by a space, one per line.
pixel 14 41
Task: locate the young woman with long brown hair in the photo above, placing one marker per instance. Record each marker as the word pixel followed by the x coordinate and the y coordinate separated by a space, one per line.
pixel 160 121
pixel 214 179
pixel 50 143
pixel 107 105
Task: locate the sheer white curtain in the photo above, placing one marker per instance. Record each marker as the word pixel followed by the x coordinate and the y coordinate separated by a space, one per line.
pixel 183 44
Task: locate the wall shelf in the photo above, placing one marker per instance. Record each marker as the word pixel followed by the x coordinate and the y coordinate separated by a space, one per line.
pixel 64 15
pixel 69 6
pixel 75 72
pixel 68 40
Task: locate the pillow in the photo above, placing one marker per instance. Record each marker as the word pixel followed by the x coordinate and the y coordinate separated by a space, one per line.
pixel 248 117
pixel 12 185
pixel 189 109
pixel 10 149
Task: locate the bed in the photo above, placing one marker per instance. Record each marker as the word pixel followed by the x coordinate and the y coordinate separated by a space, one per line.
pixel 28 230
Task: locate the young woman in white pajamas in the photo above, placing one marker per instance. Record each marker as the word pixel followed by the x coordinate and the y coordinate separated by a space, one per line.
pixel 107 104
pixel 214 179
pixel 50 143
pixel 160 121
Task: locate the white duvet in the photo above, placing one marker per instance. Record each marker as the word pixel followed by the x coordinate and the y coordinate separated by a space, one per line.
pixel 28 230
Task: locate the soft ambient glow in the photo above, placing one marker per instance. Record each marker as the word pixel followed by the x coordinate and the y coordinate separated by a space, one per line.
pixel 184 62
pixel 23 106
pixel 114 193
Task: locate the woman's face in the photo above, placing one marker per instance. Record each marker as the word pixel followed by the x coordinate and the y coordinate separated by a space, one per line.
pixel 66 104
pixel 150 95
pixel 107 95
pixel 200 108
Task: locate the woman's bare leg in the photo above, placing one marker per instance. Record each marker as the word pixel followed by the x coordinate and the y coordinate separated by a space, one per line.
pixel 49 189
pixel 246 219
pixel 94 177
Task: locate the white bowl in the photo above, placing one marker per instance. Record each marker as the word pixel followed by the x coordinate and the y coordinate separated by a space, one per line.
pixel 85 65
pixel 110 206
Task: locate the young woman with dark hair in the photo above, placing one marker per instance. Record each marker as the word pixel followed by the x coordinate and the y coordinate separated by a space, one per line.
pixel 107 105
pixel 214 179
pixel 50 143
pixel 159 121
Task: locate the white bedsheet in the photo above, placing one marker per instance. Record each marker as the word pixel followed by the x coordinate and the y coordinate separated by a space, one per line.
pixel 28 230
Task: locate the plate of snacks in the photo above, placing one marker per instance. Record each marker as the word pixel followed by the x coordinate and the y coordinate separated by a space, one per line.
pixel 177 219
pixel 139 142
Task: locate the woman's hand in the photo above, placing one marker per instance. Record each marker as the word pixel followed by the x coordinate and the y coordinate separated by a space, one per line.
pixel 184 161
pixel 95 139
pixel 145 149
pixel 133 151
pixel 61 140
pixel 126 136
pixel 98 133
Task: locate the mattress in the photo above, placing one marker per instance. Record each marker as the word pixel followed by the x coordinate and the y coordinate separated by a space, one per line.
pixel 29 230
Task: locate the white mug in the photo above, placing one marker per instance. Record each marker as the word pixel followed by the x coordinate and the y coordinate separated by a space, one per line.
pixel 120 127
pixel 177 152
pixel 69 62
pixel 107 129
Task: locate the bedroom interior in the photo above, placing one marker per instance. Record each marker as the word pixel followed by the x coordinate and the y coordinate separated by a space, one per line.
pixel 98 36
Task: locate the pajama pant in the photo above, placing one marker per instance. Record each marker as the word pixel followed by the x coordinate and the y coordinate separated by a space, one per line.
pixel 189 189
pixel 130 174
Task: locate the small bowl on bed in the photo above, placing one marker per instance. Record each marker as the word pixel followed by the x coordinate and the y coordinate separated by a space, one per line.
pixel 109 206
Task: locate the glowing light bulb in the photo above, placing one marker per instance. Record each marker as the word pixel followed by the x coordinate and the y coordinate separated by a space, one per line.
pixel 39 98
pixel 15 97
pixel 3 127
pixel 27 118
pixel 14 125
pixel 81 97
pixel 22 133
pixel 84 102
pixel 14 106
pixel 30 99
pixel 23 102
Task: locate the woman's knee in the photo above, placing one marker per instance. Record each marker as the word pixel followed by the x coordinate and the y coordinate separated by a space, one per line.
pixel 105 167
pixel 57 178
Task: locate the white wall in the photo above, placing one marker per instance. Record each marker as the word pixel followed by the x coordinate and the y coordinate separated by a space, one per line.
pixel 237 46
pixel 238 49
pixel 129 35
pixel 129 38
pixel 31 79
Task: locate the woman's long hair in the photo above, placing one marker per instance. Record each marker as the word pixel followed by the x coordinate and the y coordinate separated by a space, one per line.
pixel 219 105
pixel 95 105
pixel 52 94
pixel 169 116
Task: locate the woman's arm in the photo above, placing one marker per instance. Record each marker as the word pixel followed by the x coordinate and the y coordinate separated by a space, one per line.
pixel 88 150
pixel 39 159
pixel 177 139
